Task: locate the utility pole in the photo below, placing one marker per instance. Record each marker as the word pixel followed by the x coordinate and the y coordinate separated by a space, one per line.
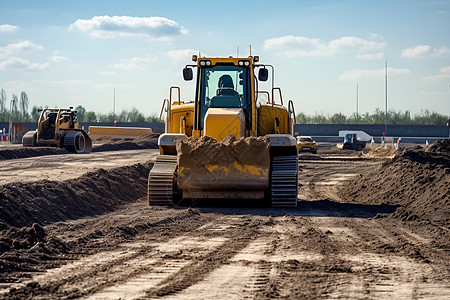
pixel 386 97
pixel 114 102
pixel 357 108
pixel 10 119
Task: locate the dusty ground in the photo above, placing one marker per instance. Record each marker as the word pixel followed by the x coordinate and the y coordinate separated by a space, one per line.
pixel 104 242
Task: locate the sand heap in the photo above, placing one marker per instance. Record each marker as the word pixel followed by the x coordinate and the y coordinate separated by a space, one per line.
pixel 45 202
pixel 206 161
pixel 145 141
pixel 417 180
pixel 382 152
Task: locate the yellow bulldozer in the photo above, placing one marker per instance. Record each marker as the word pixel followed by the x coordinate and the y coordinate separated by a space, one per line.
pixel 58 127
pixel 233 141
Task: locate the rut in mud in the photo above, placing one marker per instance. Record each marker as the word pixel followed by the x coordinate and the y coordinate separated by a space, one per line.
pixel 335 244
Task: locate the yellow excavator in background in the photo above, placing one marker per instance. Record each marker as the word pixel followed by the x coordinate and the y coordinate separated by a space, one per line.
pixel 58 127
pixel 232 141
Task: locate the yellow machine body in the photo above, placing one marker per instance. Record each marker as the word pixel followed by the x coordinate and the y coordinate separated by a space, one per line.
pixel 222 144
pixel 58 127
pixel 117 132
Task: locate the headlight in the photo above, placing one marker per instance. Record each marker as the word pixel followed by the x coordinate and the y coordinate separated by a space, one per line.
pixel 244 63
pixel 205 63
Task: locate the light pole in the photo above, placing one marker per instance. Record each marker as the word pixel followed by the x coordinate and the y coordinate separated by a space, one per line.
pixel 386 99
pixel 10 119
pixel 357 107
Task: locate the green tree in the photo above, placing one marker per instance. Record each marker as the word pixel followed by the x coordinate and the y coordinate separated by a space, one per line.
pixel 24 106
pixel 153 118
pixel 2 101
pixel 123 116
pixel 302 118
pixel 15 115
pixel 81 112
pixel 90 116
pixel 318 119
pixel 134 116
pixel 338 118
pixel 109 117
pixel 35 113
pixel 425 117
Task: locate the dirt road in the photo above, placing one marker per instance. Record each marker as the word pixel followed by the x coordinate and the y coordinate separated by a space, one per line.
pixel 328 247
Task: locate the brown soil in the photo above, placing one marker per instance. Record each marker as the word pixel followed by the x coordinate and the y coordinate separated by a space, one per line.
pixel 335 244
pixel 206 162
pixel 209 151
pixel 381 152
pixel 147 141
pixel 416 179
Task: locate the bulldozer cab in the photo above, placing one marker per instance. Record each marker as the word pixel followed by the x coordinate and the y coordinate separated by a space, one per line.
pixel 48 124
pixel 224 86
pixel 350 138
pixel 52 121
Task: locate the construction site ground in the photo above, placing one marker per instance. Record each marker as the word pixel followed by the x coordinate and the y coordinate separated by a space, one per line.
pixel 368 226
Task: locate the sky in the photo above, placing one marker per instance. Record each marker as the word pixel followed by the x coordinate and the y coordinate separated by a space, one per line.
pixel 70 53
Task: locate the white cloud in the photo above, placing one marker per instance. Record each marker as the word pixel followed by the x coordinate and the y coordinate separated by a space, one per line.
pixel 8 28
pixel 182 54
pixel 134 64
pixel 292 46
pixel 444 74
pixel 20 46
pixel 23 64
pixel 121 26
pixel 371 56
pixel 424 51
pixel 357 74
pixel 58 59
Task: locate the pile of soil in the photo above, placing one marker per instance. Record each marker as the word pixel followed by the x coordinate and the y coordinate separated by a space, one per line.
pixel 146 141
pixel 417 180
pixel 381 152
pixel 25 249
pixel 45 202
pixel 206 161
pixel 141 140
pixel 30 152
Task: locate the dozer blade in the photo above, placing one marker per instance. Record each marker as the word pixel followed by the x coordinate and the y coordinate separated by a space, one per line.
pixel 228 169
pixel 117 132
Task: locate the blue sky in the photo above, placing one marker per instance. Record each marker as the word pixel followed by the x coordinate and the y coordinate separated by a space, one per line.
pixel 69 53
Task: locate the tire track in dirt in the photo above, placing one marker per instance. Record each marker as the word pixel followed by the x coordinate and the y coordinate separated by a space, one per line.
pixel 203 267
pixel 378 267
pixel 122 261
pixel 319 179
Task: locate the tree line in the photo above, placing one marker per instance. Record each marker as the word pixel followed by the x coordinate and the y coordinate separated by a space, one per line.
pixel 18 111
pixel 424 117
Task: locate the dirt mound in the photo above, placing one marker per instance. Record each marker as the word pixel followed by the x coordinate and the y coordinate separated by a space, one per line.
pixel 45 202
pixel 147 141
pixel 148 137
pixel 417 180
pixel 30 152
pixel 205 162
pixel 381 152
pixel 22 249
